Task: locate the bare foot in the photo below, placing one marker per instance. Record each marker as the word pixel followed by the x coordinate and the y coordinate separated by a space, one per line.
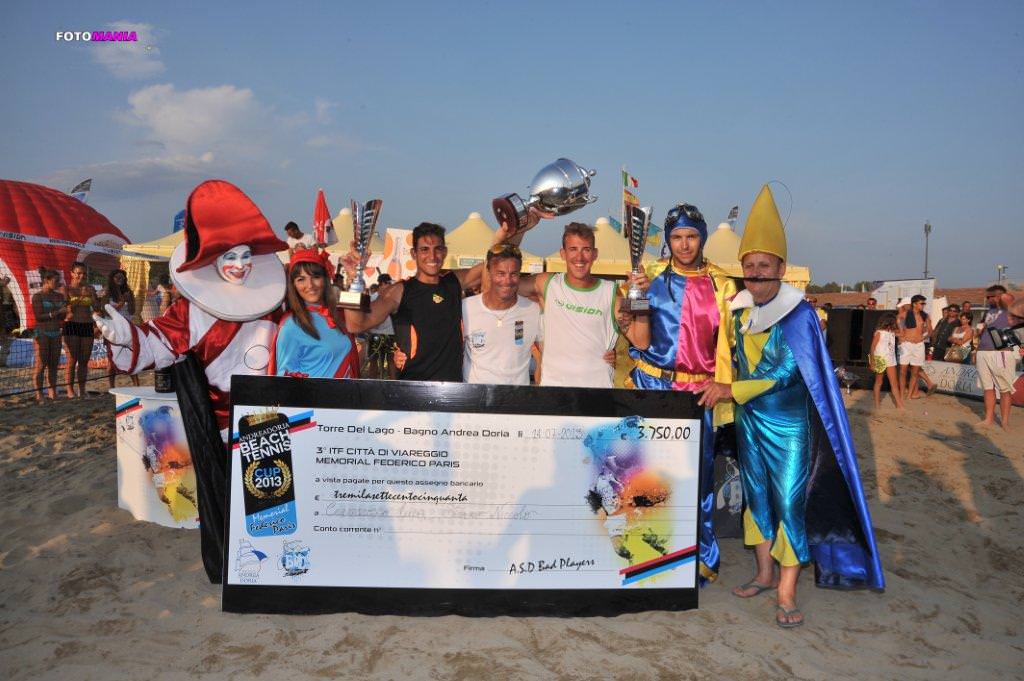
pixel 984 423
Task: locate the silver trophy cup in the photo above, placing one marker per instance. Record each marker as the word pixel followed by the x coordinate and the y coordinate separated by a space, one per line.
pixel 364 222
pixel 639 219
pixel 560 188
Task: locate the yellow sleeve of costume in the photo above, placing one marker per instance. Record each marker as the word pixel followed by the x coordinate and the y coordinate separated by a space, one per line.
pixel 744 391
pixel 725 289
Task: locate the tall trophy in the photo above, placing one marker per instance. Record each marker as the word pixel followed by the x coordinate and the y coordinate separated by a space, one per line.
pixel 364 222
pixel 638 221
pixel 560 188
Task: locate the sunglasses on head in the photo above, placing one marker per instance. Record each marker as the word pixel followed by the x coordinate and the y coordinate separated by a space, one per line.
pixel 686 209
pixel 505 249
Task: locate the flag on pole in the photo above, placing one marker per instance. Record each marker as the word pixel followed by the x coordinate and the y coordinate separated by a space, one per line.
pixel 654 232
pixel 733 214
pixel 323 230
pixel 81 190
pixel 629 198
pixel 629 181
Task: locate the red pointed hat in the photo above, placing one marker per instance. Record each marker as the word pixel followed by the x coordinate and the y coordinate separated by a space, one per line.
pixel 219 216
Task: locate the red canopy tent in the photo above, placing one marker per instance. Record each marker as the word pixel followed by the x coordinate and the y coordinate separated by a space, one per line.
pixel 35 213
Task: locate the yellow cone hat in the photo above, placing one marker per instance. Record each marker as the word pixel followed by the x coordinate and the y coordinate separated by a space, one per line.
pixel 764 232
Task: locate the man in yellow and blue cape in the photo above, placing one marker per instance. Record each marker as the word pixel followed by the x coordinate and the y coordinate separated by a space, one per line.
pixel 798 467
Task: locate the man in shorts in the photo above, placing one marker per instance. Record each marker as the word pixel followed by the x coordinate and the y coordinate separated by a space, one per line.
pixel 915 326
pixel 996 368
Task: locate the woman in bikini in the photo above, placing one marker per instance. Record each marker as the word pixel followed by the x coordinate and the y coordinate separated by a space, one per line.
pixel 50 308
pixel 78 329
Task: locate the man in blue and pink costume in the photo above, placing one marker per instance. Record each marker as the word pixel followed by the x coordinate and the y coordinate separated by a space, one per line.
pixel 684 350
pixel 801 482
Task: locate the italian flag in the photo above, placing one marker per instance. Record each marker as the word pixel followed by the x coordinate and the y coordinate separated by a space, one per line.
pixel 628 180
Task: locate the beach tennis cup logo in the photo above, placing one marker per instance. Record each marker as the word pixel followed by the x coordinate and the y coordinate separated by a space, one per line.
pixel 294 558
pixel 268 485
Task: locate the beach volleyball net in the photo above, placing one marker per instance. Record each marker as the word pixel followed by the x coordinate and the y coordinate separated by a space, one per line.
pixel 22 259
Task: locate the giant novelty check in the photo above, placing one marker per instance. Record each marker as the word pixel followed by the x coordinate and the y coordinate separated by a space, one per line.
pixel 429 497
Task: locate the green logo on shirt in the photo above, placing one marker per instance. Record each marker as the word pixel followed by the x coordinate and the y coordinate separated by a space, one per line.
pixel 579 309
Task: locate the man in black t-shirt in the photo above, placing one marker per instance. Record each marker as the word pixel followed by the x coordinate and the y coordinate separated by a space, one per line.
pixel 426 309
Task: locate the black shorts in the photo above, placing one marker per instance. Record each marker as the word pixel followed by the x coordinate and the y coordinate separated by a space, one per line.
pixel 79 329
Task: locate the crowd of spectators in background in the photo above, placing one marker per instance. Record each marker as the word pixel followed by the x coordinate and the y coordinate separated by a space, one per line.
pixel 65 332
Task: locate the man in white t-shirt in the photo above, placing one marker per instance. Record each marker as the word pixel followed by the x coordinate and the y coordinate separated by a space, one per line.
pixel 580 327
pixel 500 328
pixel 297 238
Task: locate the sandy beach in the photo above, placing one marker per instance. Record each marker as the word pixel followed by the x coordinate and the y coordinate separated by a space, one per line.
pixel 86 592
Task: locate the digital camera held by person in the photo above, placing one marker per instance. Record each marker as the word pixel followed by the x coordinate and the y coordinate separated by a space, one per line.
pixel 1007 339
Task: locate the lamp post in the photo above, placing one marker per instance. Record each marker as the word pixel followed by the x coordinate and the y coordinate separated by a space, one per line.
pixel 1000 273
pixel 927 231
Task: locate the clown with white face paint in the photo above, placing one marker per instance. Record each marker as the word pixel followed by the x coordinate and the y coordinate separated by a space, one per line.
pixel 235 265
pixel 232 285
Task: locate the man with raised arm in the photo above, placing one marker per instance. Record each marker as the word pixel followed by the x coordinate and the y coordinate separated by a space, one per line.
pixel 426 309
pixel 580 326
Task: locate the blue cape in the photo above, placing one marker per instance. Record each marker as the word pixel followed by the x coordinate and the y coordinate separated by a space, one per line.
pixel 839 530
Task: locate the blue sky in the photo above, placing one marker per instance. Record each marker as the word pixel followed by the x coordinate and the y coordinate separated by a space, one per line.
pixel 877 116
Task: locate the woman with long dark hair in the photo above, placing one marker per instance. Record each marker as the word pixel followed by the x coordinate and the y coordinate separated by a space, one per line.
pixel 961 341
pixel 78 329
pixel 50 307
pixel 121 297
pixel 311 340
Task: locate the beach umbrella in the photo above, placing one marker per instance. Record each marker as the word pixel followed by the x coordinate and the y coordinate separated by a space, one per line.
pixel 323 231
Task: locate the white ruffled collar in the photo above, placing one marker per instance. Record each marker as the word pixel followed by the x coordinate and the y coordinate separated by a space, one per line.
pixel 763 317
